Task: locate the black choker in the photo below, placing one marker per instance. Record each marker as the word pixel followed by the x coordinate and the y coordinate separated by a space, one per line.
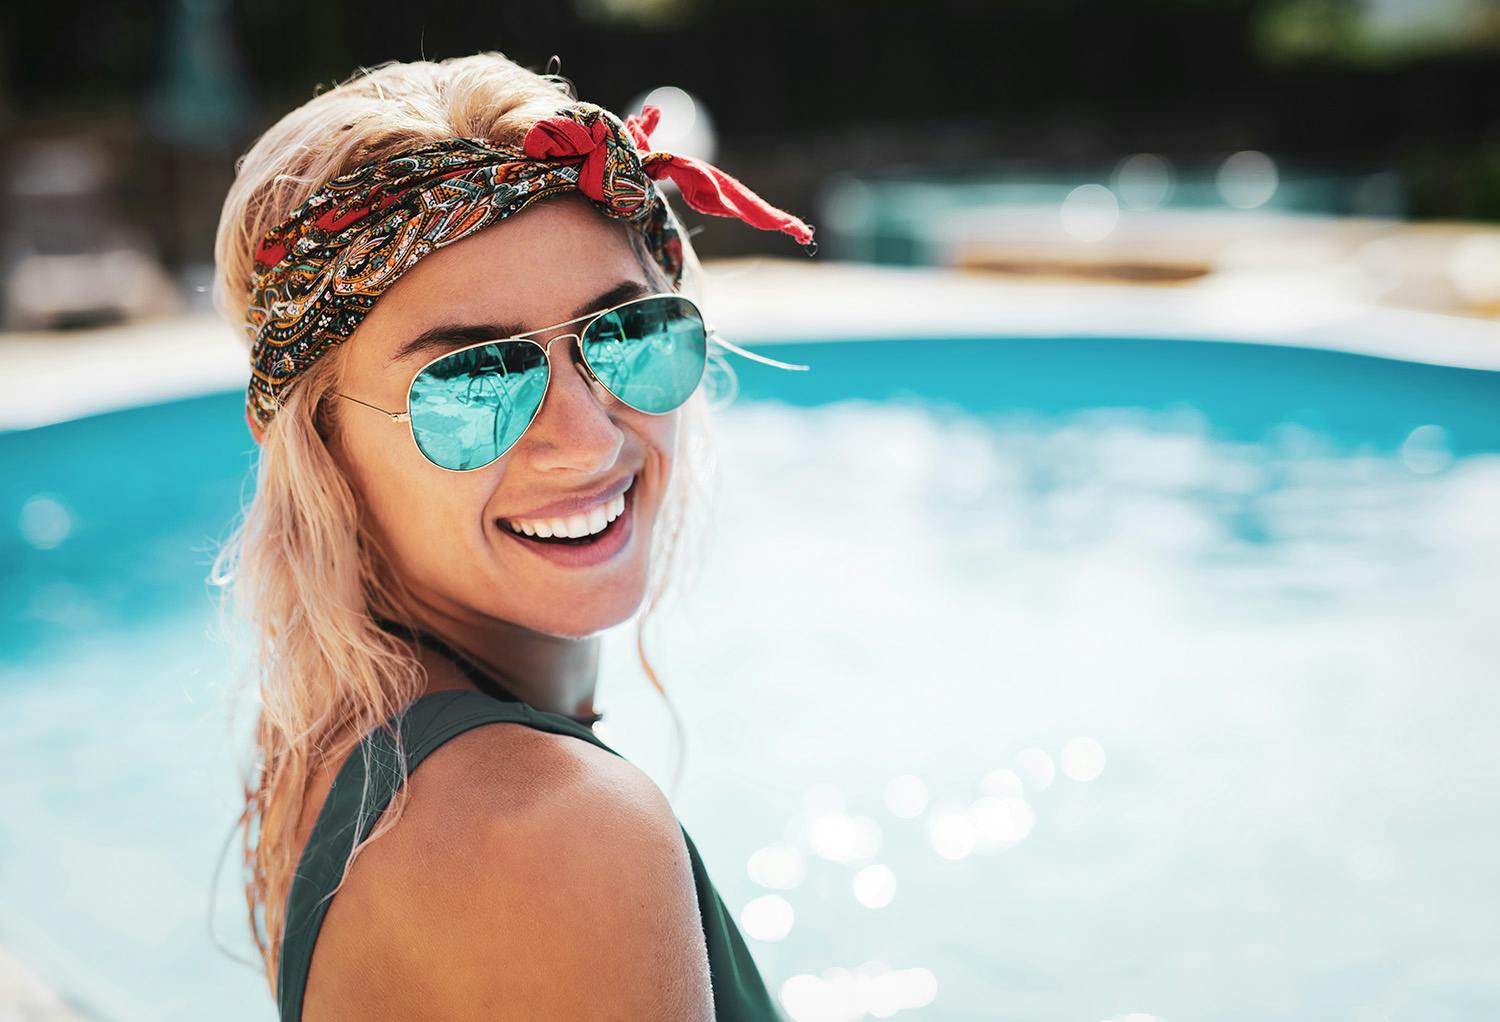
pixel 482 681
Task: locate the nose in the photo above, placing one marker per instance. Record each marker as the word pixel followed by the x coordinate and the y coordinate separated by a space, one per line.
pixel 562 360
pixel 573 429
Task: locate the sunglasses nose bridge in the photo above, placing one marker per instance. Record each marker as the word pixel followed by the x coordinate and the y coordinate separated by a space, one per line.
pixel 581 362
pixel 547 345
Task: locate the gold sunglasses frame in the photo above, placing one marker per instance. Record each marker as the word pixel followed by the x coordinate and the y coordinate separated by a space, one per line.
pixel 710 335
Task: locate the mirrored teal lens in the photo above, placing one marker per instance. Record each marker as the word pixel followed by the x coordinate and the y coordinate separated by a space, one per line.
pixel 650 353
pixel 470 407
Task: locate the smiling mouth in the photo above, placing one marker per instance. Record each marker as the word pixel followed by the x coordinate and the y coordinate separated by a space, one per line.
pixel 586 540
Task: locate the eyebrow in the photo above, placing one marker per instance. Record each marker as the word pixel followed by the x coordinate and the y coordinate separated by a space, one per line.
pixel 456 335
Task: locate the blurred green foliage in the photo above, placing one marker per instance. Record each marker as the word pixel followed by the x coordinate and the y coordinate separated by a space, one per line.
pixel 1463 184
pixel 1374 32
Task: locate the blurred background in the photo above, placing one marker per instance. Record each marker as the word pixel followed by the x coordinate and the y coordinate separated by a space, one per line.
pixel 1108 615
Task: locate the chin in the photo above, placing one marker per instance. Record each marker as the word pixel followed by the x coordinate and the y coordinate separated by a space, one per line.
pixel 579 621
pixel 574 603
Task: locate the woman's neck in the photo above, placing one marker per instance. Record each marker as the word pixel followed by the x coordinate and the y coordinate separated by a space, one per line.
pixel 553 673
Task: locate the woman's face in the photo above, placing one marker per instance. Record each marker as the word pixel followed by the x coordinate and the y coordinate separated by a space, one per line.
pixel 447 532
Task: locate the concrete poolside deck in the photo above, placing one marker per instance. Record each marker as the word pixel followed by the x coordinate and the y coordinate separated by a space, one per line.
pixel 52 376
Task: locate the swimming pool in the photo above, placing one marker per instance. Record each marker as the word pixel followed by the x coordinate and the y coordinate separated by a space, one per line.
pixel 1082 678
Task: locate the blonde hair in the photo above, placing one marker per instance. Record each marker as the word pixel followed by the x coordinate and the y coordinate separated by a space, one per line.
pixel 300 566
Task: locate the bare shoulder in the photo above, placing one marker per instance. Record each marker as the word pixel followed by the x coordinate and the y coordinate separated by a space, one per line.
pixel 531 875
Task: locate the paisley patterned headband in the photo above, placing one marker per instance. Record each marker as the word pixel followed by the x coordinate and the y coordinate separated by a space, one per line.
pixel 319 273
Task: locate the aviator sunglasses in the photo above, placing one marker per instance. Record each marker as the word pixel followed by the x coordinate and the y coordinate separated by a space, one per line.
pixel 468 407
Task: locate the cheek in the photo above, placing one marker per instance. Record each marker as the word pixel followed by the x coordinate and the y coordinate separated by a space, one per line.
pixel 658 441
pixel 379 463
pixel 414 505
pixel 660 432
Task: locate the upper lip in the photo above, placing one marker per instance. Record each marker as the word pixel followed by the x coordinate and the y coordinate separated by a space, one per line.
pixel 577 505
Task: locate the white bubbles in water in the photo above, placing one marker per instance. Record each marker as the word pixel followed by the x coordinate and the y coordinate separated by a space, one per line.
pixel 840 837
pixel 888 991
pixel 952 833
pixel 1425 450
pixel 1036 766
pixel 822 797
pixel 1001 822
pixel 848 995
pixel 906 796
pixel 1248 179
pixel 768 918
pixel 875 886
pixel 1090 212
pixel 779 867
pixel 1082 759
pixel 45 522
pixel 1003 783
pixel 809 998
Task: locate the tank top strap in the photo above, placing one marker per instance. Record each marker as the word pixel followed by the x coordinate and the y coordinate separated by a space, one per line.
pixel 365 784
pixel 368 780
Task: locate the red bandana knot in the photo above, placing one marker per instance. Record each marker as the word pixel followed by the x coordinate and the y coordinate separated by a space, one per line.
pixel 704 187
pixel 561 137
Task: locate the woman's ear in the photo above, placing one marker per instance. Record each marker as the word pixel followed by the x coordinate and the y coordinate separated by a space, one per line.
pixel 325 418
pixel 325 379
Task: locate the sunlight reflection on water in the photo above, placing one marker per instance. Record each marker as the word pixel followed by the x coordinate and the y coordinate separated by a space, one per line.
pixel 1121 714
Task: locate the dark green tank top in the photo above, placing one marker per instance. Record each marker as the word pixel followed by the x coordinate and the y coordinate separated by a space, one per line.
pixel 739 993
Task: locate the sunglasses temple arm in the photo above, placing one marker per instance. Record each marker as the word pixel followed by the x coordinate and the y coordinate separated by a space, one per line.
pixel 718 339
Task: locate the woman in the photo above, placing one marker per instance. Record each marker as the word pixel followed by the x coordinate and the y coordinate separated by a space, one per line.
pixel 474 366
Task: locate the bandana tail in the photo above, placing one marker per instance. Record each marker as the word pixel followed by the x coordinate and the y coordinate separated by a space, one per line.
pixel 710 190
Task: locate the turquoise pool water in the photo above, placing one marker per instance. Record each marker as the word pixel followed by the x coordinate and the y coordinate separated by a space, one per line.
pixel 1071 679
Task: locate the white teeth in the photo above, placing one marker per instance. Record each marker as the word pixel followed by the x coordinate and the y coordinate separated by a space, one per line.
pixel 598 518
pixel 585 524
